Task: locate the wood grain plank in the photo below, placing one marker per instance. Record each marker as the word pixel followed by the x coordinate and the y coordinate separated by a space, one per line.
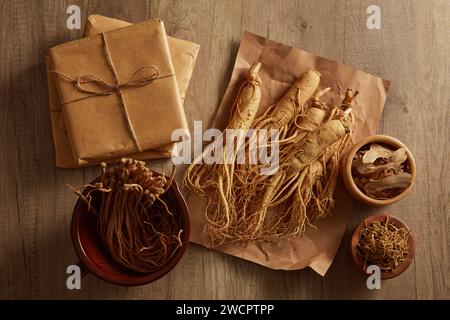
pixel 411 49
pixel 417 106
pixel 27 92
pixel 13 260
pixel 44 227
pixel 366 49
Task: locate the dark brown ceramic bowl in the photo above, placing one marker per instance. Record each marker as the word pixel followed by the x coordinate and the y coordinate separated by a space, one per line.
pixel 350 184
pixel 93 256
pixel 359 261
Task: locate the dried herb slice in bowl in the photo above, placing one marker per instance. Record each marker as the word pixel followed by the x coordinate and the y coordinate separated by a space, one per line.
pixel 381 172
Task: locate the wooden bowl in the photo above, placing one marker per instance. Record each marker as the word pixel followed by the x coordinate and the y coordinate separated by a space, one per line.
pixel 93 255
pixel 350 184
pixel 359 261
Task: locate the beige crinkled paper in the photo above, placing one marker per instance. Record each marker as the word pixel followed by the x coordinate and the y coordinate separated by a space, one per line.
pixel 281 65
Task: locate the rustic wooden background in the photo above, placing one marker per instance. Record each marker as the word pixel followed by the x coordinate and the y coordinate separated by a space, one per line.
pixel 411 49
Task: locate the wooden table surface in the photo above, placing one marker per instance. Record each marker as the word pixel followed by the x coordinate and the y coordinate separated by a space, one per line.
pixel 411 49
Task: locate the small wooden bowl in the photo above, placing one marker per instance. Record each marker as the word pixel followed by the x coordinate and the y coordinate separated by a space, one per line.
pixel 94 257
pixel 350 184
pixel 359 261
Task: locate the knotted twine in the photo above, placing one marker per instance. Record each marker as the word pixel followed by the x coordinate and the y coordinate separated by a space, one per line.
pixel 81 83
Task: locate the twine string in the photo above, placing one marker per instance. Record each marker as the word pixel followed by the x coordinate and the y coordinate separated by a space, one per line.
pixel 94 86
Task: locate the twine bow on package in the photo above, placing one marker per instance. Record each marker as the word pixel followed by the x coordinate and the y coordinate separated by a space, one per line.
pixel 118 92
pixel 281 65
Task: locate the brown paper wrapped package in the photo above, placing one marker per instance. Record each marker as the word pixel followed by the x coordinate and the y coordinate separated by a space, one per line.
pixel 281 65
pixel 183 54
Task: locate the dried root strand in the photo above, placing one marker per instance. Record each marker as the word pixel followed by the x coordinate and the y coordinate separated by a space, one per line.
pixel 383 244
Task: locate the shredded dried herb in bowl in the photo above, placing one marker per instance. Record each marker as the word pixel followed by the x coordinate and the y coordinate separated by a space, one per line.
pixel 384 244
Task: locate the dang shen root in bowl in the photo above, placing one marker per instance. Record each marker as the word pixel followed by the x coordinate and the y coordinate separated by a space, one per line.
pixel 130 226
pixel 379 170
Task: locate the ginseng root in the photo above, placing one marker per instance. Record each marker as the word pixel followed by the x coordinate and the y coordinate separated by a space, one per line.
pixel 310 195
pixel 214 183
pixel 249 181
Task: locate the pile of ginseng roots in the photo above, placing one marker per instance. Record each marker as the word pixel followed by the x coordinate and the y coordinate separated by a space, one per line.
pixel 243 204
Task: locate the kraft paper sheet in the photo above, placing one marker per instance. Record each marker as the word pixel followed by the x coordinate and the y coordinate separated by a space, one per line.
pixel 281 65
